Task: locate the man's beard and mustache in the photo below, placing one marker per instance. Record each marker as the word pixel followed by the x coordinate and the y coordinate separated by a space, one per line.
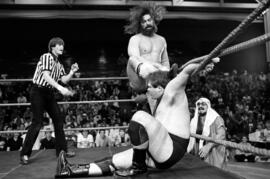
pixel 149 30
pixel 202 112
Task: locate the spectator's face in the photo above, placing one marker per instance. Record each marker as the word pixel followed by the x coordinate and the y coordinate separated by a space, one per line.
pixel 48 134
pixel 267 125
pixel 244 139
pixel 202 108
pixel 122 133
pixel 16 134
pixel 259 127
pixel 102 134
pixel 85 133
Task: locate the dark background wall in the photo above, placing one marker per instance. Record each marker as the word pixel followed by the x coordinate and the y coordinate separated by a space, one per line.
pixel 24 40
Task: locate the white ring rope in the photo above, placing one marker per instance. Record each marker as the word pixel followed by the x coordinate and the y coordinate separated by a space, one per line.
pixel 72 79
pixel 245 148
pixel 72 102
pixel 71 129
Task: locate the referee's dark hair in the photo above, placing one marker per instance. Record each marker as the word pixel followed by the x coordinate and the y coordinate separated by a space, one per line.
pixel 54 41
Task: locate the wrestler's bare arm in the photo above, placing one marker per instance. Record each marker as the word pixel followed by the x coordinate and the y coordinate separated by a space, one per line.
pixel 164 56
pixel 182 78
pixel 134 52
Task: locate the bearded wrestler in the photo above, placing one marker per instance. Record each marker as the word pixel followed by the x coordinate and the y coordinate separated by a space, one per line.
pixel 158 141
pixel 146 49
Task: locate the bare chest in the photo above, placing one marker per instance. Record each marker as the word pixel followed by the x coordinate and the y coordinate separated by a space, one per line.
pixel 148 46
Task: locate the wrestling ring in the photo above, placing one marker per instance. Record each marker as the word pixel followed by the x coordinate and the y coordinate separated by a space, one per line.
pixel 43 162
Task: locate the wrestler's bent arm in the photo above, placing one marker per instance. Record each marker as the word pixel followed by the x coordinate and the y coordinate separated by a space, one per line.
pixel 134 53
pixel 164 56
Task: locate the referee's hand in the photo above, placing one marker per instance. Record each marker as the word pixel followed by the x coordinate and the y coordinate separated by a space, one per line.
pixel 65 92
pixel 74 67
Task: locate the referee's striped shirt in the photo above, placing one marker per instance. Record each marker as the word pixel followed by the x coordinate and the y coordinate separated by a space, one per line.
pixel 48 62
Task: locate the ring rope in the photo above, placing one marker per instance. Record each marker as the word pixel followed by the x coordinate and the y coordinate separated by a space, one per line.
pixel 245 148
pixel 233 49
pixel 239 29
pixel 72 102
pixel 71 129
pixel 72 79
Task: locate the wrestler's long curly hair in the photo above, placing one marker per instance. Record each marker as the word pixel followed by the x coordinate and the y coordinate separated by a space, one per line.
pixel 136 14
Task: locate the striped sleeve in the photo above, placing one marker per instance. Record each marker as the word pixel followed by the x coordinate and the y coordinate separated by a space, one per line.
pixel 46 62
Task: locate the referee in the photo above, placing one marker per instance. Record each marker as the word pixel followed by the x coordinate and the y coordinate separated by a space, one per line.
pixel 48 71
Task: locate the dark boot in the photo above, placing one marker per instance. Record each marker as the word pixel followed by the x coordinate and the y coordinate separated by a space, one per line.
pixel 138 137
pixel 135 169
pixel 66 170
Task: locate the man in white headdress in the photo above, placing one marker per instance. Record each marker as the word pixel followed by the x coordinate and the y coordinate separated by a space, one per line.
pixel 208 122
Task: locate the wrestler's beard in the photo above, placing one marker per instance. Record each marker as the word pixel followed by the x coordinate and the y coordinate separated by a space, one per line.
pixel 149 31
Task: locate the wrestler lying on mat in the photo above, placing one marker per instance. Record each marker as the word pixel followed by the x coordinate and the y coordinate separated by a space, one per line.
pixel 159 140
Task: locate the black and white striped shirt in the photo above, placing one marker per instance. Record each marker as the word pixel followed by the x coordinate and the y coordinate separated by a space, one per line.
pixel 48 62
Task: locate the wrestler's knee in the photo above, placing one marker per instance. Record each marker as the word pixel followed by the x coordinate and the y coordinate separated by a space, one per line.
pixel 135 81
pixel 141 117
pixel 137 133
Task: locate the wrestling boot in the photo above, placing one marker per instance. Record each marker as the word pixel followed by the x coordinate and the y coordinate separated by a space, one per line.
pixel 66 170
pixel 135 169
pixel 24 160
pixel 70 154
pixel 138 164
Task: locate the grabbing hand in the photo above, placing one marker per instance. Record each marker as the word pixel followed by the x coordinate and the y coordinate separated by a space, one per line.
pixel 64 91
pixel 216 60
pixel 145 69
pixel 209 67
pixel 74 67
pixel 204 151
pixel 140 98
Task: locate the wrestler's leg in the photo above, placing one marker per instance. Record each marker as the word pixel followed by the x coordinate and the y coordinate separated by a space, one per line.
pixel 136 82
pixel 160 144
pixel 103 167
pixel 157 141
pixel 146 135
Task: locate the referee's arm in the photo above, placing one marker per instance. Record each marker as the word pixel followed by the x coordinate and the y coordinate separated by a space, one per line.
pixel 65 78
pixel 64 91
pixel 50 80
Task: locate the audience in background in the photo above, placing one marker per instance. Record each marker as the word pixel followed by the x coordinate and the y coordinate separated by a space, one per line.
pixel 241 156
pixel 102 140
pixel 48 142
pixel 242 99
pixel 15 142
pixel 85 140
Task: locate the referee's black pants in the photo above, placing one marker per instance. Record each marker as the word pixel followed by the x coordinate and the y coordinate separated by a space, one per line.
pixel 43 99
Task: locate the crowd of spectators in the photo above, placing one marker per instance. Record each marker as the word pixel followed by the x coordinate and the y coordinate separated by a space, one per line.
pixel 242 99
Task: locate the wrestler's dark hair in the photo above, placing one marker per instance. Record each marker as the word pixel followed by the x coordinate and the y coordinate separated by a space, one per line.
pixel 159 78
pixel 136 14
pixel 54 41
